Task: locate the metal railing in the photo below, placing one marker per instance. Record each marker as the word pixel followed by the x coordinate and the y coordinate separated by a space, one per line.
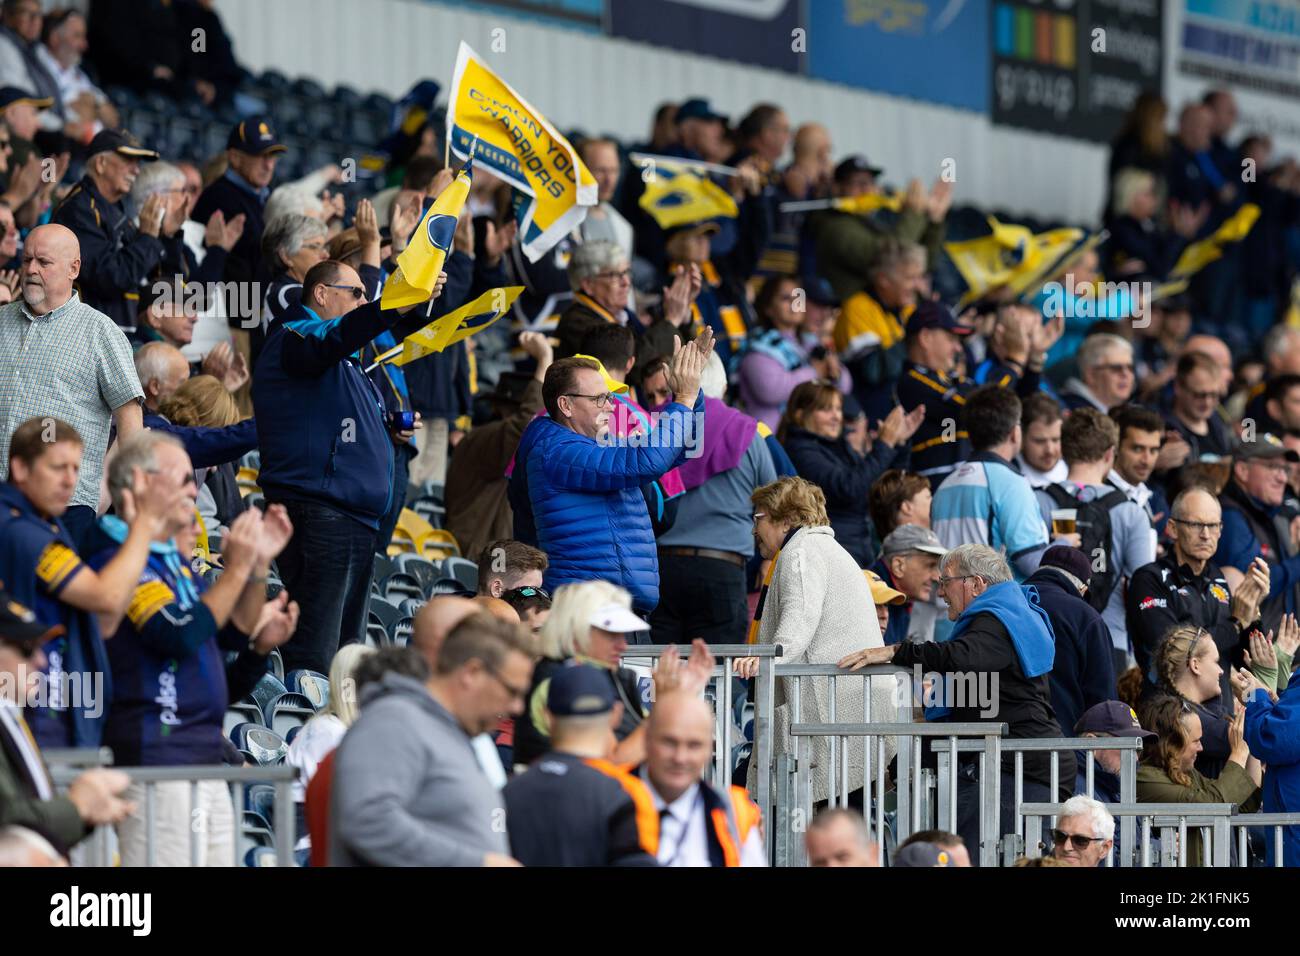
pixel 64 770
pixel 911 782
pixel 1244 822
pixel 1014 843
pixel 1172 821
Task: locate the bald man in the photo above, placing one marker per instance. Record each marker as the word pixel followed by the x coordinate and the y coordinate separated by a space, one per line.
pixel 679 746
pixel 1217 349
pixel 62 359
pixel 496 607
pixel 839 838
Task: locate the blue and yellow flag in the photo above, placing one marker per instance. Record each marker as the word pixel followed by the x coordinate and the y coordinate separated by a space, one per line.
pixel 1010 256
pixel 469 319
pixel 1200 254
pixel 421 261
pixel 517 144
pixel 676 195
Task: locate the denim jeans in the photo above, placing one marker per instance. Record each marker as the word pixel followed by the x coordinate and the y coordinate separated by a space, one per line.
pixel 326 568
pixel 700 597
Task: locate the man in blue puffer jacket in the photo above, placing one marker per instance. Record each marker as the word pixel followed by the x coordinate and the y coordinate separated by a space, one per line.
pixel 326 453
pixel 578 491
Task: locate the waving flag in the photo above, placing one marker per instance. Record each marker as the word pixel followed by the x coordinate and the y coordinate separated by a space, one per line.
pixel 469 319
pixel 1009 256
pixel 519 145
pixel 675 195
pixel 1200 254
pixel 419 264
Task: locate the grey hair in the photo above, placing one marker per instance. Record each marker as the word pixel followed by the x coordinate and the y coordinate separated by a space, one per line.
pixel 1095 347
pixel 978 561
pixel 153 360
pixel 593 258
pixel 291 199
pixel 138 451
pixel 153 178
pixel 895 253
pixel 286 234
pixel 1099 819
pixel 828 816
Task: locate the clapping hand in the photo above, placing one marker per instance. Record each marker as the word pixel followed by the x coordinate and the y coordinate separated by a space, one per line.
pixel 275 624
pixel 367 223
pixel 687 366
pixel 671 675
pixel 1261 651
pixel 1288 635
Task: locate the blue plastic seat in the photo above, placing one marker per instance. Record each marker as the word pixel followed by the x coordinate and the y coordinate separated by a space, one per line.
pixel 310 684
pixel 261 745
pixel 287 711
pixel 463 570
pixel 449 586
pixel 260 856
pixel 400 585
pixel 420 568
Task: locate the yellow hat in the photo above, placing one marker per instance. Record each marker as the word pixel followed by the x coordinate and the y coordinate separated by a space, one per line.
pixel 881 592
pixel 612 384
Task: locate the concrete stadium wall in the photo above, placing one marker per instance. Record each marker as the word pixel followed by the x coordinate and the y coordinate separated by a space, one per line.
pixel 605 85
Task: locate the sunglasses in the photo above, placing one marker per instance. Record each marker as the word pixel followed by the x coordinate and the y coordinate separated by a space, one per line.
pixel 1076 840
pixel 529 592
pixel 358 293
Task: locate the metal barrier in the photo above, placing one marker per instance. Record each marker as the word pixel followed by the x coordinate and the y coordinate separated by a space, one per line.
pixel 911 782
pixel 281 777
pixel 1013 844
pixel 1247 821
pixel 764 705
pixel 1172 820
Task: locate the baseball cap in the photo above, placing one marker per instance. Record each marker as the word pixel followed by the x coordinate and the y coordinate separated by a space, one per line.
pixel 857 163
pixel 580 691
pixel 705 227
pixel 820 291
pixel 9 95
pixel 912 537
pixel 882 593
pixel 617 618
pixel 698 108
pixel 1068 559
pixel 922 854
pixel 613 385
pixel 118 141
pixel 1264 447
pixel 19 627
pixel 935 315
pixel 255 136
pixel 1113 717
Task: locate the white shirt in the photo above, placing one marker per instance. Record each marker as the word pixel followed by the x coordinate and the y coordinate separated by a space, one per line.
pixel 1041 479
pixel 9 721
pixel 683 837
pixel 489 759
pixel 316 741
pixel 1139 494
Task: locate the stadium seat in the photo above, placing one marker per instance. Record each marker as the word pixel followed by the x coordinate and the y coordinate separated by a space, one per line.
pixel 463 570
pixel 260 799
pixel 439 543
pixel 260 856
pixel 288 711
pixel 410 607
pixel 376 635
pixel 271 81
pixel 430 510
pixel 378 102
pixel 400 585
pixel 262 745
pixel 345 97
pixel 252 459
pixel 420 568
pixel 384 612
pixel 240 712
pixel 384 566
pixel 293 732
pixel 401 633
pixel 247 479
pixel 315 687
pixel 277 663
pixel 267 689
pixel 449 586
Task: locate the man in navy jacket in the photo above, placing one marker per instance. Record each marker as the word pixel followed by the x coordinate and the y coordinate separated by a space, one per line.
pixel 326 452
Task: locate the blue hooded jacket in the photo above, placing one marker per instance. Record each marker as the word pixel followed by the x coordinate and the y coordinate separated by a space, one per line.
pixel 1272 733
pixel 583 501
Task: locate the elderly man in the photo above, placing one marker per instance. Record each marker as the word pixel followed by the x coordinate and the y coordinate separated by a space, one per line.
pixel 1006 641
pixel 1186 586
pixel 91 386
pixel 83 105
pixel 1198 390
pixel 604 222
pixel 1106 377
pixel 1254 529
pixel 839 838
pixel 1109 718
pixel 1084 832
pixel 20 33
pixel 909 561
pixel 326 453
pixel 117 255
pixel 28 797
pixel 578 490
pixel 601 279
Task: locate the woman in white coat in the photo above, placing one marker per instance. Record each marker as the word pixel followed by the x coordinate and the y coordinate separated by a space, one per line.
pixel 818 606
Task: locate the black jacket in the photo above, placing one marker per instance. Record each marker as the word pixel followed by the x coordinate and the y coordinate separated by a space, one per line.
pixel 567 811
pixel 232 199
pixel 1024 704
pixel 845 477
pixel 1082 673
pixel 531 742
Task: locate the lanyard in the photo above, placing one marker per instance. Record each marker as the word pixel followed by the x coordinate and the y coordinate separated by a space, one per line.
pixel 696 804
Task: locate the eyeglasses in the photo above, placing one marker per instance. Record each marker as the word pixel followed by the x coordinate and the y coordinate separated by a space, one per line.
pixel 1077 840
pixel 358 293
pixel 1277 466
pixel 944 582
pixel 1116 368
pixel 601 400
pixel 528 592
pixel 1200 527
pixel 625 275
pixel 759 514
pixel 515 692
pixel 1210 396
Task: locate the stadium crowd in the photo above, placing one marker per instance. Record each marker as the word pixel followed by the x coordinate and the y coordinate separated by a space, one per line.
pixel 749 427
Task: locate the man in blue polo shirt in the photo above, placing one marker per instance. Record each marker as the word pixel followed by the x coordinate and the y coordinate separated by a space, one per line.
pixel 326 452
pixel 41 569
pixel 169 678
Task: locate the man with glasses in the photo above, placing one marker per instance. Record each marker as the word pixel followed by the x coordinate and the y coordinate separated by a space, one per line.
pixel 1106 377
pixel 326 452
pixel 1255 526
pixel 601 279
pixel 1186 586
pixel 1084 832
pixel 1195 416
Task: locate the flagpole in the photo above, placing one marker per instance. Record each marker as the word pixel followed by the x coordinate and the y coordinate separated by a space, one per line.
pixel 806 205
pixel 646 159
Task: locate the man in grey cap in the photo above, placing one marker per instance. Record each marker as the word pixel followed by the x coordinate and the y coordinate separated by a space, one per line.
pixel 909 562
pixel 1110 718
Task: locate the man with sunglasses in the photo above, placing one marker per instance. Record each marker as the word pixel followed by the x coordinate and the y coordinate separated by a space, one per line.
pixel 1084 832
pixel 327 455
pixel 27 794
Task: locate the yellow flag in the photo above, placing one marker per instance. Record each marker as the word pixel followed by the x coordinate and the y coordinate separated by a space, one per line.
pixel 1010 256
pixel 421 261
pixel 451 328
pixel 868 203
pixel 1200 254
pixel 517 144
pixel 675 195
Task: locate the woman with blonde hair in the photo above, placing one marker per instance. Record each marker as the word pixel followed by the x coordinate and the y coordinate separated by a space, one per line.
pixel 589 623
pixel 813 604
pixel 1139 246
pixel 203 401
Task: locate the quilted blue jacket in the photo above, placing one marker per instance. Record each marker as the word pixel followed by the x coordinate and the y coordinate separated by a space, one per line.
pixel 580 501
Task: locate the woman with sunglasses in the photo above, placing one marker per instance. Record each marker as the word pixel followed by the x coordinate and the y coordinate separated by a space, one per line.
pixel 1167 770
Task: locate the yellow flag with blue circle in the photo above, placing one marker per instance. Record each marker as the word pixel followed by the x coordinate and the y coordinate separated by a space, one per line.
pixel 421 261
pixel 469 319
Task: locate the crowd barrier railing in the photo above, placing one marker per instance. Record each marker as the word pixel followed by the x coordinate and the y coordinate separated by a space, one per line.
pixel 911 782
pixel 1012 845
pixel 1277 822
pixel 280 777
pixel 1171 821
